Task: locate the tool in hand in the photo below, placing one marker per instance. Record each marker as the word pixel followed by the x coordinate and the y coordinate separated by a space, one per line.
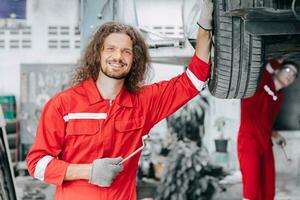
pixel 136 151
pixel 284 152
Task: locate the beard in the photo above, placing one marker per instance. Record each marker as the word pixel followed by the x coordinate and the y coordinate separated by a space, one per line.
pixel 111 73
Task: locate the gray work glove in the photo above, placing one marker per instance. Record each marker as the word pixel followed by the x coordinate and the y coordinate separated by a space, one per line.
pixel 205 19
pixel 105 170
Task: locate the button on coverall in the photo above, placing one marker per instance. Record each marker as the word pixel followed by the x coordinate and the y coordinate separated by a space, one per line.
pixel 78 126
pixel 258 114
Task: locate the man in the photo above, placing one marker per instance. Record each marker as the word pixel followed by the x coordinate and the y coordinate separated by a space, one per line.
pixel 258 114
pixel 85 131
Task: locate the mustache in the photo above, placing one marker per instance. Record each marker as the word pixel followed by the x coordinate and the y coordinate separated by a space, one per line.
pixel 118 61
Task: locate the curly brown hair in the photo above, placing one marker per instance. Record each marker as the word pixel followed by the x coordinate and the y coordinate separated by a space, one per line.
pixel 89 65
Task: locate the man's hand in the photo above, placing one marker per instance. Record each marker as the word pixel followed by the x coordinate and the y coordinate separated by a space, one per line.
pixel 203 46
pixel 205 19
pixel 104 171
pixel 279 139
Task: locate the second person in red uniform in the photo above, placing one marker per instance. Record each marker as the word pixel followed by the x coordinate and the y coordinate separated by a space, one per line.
pixel 258 114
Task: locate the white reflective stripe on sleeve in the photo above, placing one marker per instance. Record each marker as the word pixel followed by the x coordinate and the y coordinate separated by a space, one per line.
pixel 85 116
pixel 40 167
pixel 269 68
pixel 196 82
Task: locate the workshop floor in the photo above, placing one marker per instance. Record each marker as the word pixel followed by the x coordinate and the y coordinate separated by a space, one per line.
pixel 286 189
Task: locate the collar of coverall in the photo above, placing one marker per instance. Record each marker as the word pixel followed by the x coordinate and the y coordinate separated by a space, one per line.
pixel 94 96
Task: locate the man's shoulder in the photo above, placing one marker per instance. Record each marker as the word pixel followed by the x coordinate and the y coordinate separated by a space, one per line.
pixel 145 89
pixel 69 93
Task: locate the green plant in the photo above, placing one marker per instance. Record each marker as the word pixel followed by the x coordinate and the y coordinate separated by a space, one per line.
pixel 188 122
pixel 187 173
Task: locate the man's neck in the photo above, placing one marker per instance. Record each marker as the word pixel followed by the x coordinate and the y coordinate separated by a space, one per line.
pixel 277 83
pixel 109 88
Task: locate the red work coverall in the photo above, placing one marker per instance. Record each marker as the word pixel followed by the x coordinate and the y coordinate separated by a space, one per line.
pixel 258 114
pixel 79 126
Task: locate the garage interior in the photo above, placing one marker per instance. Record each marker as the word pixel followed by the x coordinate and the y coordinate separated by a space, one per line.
pixel 42 41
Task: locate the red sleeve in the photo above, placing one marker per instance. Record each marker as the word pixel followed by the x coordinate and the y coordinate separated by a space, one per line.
pixel 200 68
pixel 267 72
pixel 164 98
pixel 275 64
pixel 43 159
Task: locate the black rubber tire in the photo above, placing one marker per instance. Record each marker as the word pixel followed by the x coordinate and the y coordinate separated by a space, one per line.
pixel 238 55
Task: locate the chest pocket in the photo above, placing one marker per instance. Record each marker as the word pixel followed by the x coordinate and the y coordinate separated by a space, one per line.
pixel 126 126
pixel 83 127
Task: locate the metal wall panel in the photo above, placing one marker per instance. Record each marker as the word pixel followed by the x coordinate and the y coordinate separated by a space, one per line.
pixel 93 14
pixel 39 82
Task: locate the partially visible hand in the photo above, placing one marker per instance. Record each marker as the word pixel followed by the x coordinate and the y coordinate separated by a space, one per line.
pixel 105 170
pixel 280 140
pixel 205 19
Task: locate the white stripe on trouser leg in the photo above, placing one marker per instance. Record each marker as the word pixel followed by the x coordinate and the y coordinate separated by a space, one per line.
pixel 40 168
pixel 196 82
pixel 85 116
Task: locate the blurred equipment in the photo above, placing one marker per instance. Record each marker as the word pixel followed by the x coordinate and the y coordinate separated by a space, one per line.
pixel 8 103
pixel 94 13
pixel 190 14
pixel 284 152
pixel 7 178
pixel 294 9
pixel 167 48
pixel 38 83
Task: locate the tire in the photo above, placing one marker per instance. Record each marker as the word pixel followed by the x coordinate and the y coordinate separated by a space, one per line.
pixel 238 55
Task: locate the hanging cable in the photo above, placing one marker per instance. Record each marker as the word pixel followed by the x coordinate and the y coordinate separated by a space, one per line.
pixel 294 10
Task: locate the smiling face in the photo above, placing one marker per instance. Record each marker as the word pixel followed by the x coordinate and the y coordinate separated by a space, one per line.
pixel 116 56
pixel 286 75
pixel 114 43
